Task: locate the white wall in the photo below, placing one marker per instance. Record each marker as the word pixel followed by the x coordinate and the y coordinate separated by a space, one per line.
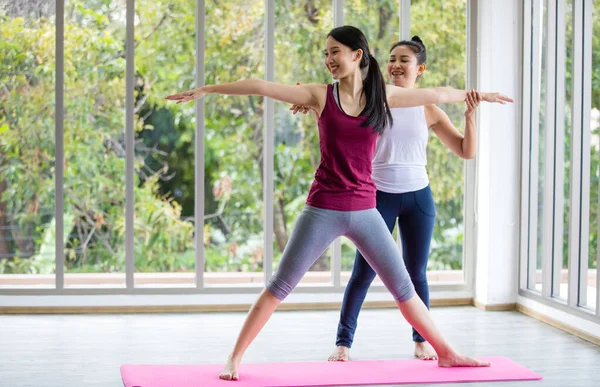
pixel 498 163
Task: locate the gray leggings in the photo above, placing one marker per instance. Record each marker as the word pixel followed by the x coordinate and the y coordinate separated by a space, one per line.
pixel 314 231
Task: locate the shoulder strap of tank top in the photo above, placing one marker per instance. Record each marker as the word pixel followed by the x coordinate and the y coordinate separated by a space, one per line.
pixel 336 95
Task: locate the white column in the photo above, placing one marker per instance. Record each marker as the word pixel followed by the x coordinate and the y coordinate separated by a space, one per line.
pixel 404 15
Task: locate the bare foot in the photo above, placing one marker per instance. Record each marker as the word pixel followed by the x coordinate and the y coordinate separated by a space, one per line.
pixel 341 353
pixel 230 372
pixel 457 360
pixel 423 351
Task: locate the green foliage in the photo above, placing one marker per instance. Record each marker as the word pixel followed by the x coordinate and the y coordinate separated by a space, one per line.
pixel 94 178
pixel 26 119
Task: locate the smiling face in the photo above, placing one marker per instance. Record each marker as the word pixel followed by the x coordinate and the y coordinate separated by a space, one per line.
pixel 403 67
pixel 341 60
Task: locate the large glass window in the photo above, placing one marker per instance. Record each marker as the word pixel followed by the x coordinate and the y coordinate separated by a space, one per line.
pixel 27 157
pixel 446 45
pixel 563 163
pixel 233 227
pixel 165 143
pixel 94 177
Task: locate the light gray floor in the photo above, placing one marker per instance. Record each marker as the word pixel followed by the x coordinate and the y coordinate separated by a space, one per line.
pixel 87 350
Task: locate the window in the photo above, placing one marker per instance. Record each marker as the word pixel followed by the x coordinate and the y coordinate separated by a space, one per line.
pixel 561 153
pixel 94 146
pixel 183 157
pixel 446 45
pixel 27 144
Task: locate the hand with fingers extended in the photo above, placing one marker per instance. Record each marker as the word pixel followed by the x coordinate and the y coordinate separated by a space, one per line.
pixel 300 109
pixel 472 101
pixel 495 97
pixel 186 96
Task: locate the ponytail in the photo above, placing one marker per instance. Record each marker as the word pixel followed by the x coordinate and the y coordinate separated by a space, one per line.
pixel 377 109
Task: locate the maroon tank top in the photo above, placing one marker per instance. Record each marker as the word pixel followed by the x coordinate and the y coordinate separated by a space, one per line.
pixel 343 179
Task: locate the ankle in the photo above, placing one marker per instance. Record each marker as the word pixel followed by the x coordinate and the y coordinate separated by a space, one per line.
pixel 233 358
pixel 446 352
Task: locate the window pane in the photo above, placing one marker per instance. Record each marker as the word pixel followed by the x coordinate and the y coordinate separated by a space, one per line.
pixel 27 157
pixel 300 33
pixel 592 259
pixel 233 229
pixel 563 255
pixel 541 92
pixel 94 143
pixel 165 60
pixel 446 66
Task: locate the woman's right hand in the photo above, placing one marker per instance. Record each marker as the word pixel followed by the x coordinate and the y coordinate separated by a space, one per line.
pixel 186 96
pixel 472 102
pixel 302 108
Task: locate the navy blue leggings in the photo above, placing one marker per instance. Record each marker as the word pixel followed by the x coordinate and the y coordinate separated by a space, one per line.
pixel 416 217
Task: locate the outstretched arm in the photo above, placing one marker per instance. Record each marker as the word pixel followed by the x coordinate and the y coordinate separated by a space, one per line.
pixel 307 95
pixel 401 97
pixel 464 146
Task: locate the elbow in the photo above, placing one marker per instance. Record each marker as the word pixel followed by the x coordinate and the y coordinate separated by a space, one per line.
pixel 468 148
pixel 254 86
pixel 258 86
pixel 440 95
pixel 468 156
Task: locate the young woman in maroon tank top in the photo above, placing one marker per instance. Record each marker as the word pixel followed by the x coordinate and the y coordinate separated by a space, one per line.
pixel 344 173
pixel 397 201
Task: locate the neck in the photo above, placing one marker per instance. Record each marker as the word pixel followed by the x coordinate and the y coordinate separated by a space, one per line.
pixel 406 85
pixel 352 84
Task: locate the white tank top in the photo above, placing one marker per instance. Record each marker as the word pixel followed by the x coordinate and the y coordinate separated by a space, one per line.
pixel 401 153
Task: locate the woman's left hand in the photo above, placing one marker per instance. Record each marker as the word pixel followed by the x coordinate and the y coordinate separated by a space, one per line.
pixel 472 101
pixel 186 96
pixel 495 98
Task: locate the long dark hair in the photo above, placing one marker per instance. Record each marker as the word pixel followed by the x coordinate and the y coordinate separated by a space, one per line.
pixel 377 110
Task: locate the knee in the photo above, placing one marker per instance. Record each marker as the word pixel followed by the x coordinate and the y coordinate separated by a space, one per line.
pixel 279 288
pixel 405 292
pixel 417 268
pixel 418 276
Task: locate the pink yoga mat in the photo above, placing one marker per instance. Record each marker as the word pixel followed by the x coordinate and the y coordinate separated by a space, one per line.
pixel 352 373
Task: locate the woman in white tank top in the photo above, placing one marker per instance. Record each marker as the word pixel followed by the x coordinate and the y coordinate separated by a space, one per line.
pixel 403 193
